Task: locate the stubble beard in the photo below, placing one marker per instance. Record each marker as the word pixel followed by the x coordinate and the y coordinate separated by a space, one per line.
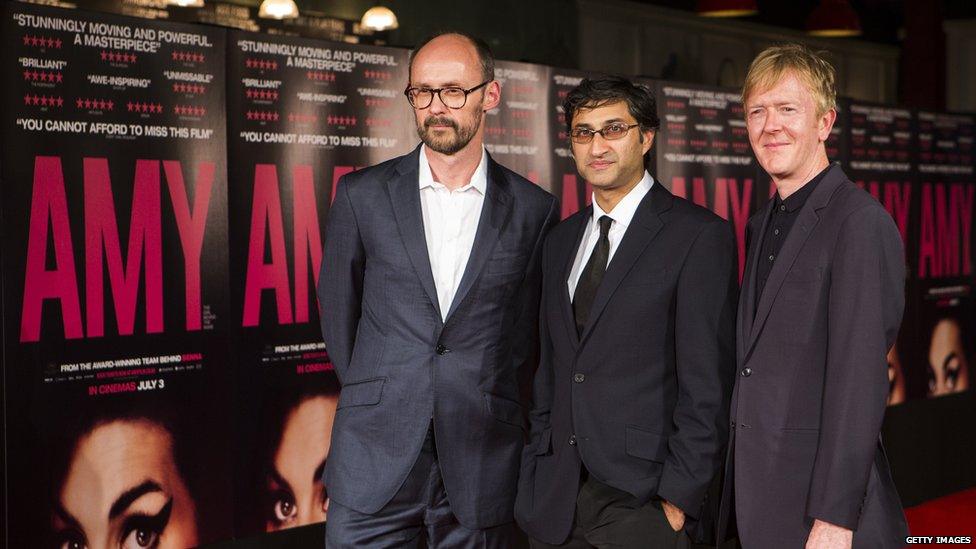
pixel 452 142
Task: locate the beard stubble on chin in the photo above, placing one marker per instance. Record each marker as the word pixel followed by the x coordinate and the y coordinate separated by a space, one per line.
pixel 452 141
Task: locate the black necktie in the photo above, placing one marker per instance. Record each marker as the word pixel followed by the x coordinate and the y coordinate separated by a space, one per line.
pixel 592 274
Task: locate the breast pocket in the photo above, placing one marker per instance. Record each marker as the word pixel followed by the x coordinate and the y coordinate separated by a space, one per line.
pixel 507 263
pixel 800 297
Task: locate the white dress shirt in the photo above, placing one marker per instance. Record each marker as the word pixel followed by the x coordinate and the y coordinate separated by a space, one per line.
pixel 622 215
pixel 450 223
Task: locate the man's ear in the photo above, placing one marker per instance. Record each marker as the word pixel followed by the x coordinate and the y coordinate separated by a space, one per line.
pixel 825 124
pixel 493 96
pixel 648 138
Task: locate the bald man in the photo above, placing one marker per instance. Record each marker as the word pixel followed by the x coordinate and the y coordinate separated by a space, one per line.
pixel 429 295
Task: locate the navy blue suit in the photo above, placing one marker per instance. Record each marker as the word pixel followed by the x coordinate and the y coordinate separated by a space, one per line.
pixel 402 367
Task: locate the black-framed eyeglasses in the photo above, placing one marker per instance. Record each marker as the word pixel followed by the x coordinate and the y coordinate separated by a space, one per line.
pixel 582 136
pixel 453 97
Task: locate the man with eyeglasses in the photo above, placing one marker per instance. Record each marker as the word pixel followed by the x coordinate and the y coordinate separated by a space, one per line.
pixel 429 298
pixel 631 395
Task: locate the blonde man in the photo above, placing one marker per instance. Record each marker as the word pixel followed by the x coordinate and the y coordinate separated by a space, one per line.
pixel 820 305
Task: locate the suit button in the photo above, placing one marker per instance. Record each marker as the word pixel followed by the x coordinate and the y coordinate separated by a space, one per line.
pixel 579 378
pixel 572 440
pixel 746 372
pixel 441 350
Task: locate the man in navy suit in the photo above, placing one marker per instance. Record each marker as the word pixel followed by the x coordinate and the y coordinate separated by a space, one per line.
pixel 630 417
pixel 429 297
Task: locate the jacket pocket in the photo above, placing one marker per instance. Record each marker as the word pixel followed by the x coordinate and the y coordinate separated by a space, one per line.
pixel 504 410
pixel 367 392
pixel 645 444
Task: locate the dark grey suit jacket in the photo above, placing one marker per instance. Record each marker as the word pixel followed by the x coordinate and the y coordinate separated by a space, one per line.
pixel 641 399
pixel 812 384
pixel 401 366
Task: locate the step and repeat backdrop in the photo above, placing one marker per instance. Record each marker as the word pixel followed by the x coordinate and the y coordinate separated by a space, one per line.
pixel 165 190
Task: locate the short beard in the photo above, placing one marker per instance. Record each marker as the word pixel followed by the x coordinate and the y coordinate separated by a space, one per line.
pixel 448 145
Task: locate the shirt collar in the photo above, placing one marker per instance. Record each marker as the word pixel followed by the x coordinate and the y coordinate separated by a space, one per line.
pixel 479 180
pixel 624 211
pixel 799 197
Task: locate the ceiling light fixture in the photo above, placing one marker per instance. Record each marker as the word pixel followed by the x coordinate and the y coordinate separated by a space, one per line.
pixel 834 19
pixel 727 8
pixel 278 9
pixel 379 18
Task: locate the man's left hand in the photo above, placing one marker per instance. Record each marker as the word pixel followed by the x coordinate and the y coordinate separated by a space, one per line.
pixel 825 535
pixel 675 516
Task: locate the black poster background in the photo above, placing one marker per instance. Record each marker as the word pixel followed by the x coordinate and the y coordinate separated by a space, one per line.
pixel 115 339
pixel 941 294
pixel 517 132
pixel 301 113
pixel 703 152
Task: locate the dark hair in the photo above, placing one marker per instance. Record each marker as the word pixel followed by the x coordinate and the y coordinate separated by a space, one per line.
pixel 485 56
pixel 603 90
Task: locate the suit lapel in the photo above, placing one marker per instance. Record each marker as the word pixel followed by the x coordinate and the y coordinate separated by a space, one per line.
pixel 565 304
pixel 404 192
pixel 804 226
pixel 642 229
pixel 494 214
pixel 747 302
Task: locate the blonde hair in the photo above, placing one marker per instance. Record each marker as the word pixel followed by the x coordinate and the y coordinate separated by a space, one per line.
pixel 810 66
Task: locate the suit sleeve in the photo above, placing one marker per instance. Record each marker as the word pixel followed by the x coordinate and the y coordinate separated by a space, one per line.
pixel 705 360
pixel 526 331
pixel 542 381
pixel 340 287
pixel 865 306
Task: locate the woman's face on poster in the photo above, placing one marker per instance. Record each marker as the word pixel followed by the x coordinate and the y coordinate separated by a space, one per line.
pixel 123 490
pixel 297 496
pixel 948 367
pixel 896 379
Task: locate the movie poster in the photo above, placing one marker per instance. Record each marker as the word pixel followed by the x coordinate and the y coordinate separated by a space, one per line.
pixel 301 114
pixel 942 292
pixel 882 162
pixel 703 153
pixel 517 132
pixel 114 261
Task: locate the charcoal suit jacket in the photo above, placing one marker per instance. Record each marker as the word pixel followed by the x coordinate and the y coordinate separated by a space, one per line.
pixel 641 397
pixel 812 385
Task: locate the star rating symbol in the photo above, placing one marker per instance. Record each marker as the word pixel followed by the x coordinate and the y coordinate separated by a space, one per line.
pixel 97 104
pixel 320 76
pixel 117 57
pixel 141 107
pixel 376 75
pixel 341 120
pixel 187 56
pixel 378 122
pixel 41 41
pixel 261 64
pixel 266 95
pixel 189 110
pixel 43 100
pixel 264 116
pixel 181 87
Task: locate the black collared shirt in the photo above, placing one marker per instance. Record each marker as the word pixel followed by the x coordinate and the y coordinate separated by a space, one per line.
pixel 781 220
